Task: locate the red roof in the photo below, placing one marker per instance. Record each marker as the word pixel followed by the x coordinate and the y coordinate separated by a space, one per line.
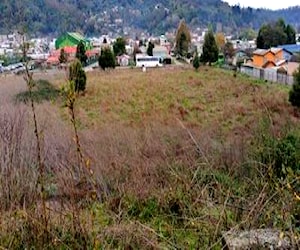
pixel 68 50
pixel 55 54
pixel 52 59
pixel 92 52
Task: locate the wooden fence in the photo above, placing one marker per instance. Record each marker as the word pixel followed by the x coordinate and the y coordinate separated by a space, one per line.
pixel 268 75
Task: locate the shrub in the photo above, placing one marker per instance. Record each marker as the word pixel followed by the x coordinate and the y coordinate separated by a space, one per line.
pixel 77 74
pixel 294 95
pixel 107 59
pixel 196 62
pixel 287 155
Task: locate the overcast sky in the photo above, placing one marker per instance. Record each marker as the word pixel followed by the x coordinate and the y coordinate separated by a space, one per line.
pixel 270 4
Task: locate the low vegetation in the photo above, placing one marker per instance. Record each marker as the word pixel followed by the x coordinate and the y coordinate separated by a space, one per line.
pixel 294 95
pixel 172 158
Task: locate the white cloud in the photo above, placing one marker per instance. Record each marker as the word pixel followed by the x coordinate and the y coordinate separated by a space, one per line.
pixel 264 4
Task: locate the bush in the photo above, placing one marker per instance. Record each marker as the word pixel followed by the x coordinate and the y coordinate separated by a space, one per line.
pixel 287 155
pixel 196 62
pixel 77 74
pixel 281 154
pixel 107 59
pixel 294 95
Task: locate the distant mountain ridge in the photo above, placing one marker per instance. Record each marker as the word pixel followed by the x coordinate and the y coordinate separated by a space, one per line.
pixel 131 16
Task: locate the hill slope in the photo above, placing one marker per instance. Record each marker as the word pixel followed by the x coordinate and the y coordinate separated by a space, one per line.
pixel 130 16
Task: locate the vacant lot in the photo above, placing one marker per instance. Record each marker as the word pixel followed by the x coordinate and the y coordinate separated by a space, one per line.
pixel 175 157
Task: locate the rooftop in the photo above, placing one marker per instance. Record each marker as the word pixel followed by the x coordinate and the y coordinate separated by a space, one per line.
pixel 294 48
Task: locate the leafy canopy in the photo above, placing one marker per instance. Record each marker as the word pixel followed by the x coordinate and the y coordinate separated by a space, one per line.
pixel 183 39
pixel 294 95
pixel 210 48
pixel 80 53
pixel 77 75
pixel 274 34
pixel 119 46
pixel 150 49
pixel 63 58
pixel 107 59
pixel 196 62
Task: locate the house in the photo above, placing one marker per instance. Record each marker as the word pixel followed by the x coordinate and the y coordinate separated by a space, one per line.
pixel 72 39
pixel 160 51
pixel 239 57
pixel 292 48
pixel 70 52
pixel 123 60
pixel 266 58
pixel 287 55
pixel 292 67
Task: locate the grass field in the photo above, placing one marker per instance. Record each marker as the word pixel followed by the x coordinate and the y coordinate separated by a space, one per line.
pixel 177 157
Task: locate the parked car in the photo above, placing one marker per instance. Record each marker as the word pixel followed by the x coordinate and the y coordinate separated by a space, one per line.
pixel 19 69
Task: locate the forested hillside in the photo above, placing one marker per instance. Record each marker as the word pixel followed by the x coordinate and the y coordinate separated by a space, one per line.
pixel 154 16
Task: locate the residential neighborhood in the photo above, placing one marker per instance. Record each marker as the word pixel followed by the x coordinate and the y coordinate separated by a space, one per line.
pixel 148 124
pixel 45 52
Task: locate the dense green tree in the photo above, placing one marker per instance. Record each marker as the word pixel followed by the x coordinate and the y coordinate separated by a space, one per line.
pixel 150 49
pixel 274 34
pixel 196 61
pixel 291 34
pixel 228 50
pixel 183 39
pixel 80 53
pixel 210 48
pixel 247 34
pixel 77 75
pixel 63 58
pixel 56 17
pixel 107 59
pixel 294 95
pixel 119 46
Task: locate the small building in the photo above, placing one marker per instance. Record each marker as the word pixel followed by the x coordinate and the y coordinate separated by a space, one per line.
pixel 292 67
pixel 123 60
pixel 240 56
pixel 264 58
pixel 162 52
pixel 287 55
pixel 72 39
pixel 70 52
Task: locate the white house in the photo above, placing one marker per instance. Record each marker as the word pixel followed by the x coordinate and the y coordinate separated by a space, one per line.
pixel 123 60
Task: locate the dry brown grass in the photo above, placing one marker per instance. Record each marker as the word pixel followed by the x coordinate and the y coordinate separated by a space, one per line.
pixel 178 137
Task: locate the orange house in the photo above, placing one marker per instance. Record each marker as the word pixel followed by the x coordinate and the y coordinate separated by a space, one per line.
pixel 266 58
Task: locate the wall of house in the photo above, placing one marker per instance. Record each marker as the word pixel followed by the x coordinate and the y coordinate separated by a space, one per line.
pixel 258 60
pixel 269 57
pixel 269 64
pixel 274 57
pixel 277 57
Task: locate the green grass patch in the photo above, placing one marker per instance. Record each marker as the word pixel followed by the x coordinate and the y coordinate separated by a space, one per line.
pixel 42 91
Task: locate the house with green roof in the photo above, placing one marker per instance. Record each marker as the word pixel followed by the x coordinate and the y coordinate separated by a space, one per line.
pixel 72 39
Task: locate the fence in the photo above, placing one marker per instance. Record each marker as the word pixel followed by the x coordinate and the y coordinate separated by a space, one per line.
pixel 268 75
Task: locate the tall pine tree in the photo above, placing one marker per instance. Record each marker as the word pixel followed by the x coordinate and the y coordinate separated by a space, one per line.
pixel 150 49
pixel 210 48
pixel 183 39
pixel 80 53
